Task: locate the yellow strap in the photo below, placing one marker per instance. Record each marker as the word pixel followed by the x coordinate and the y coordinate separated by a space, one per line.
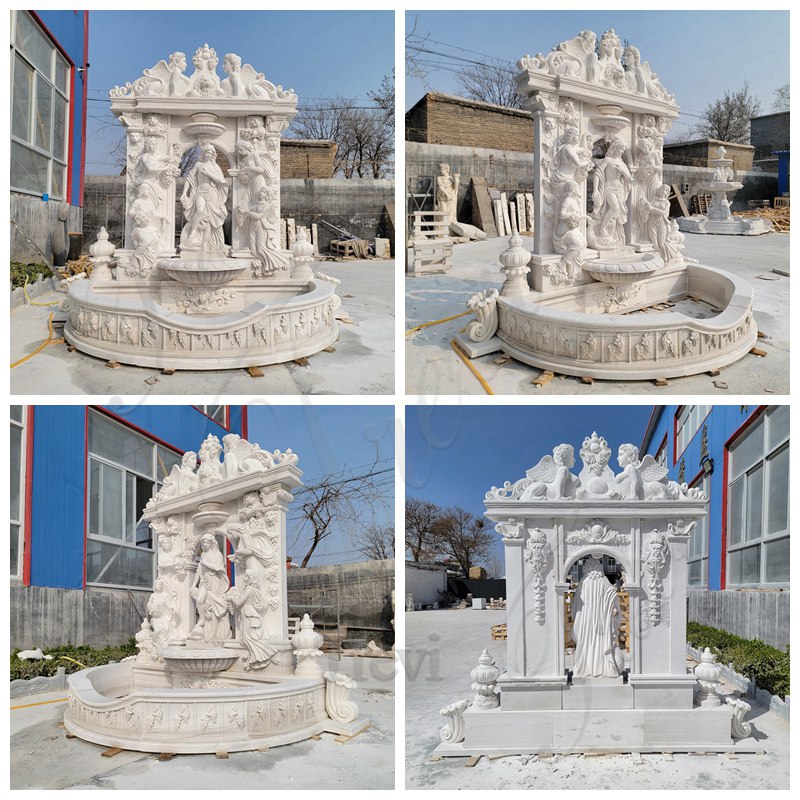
pixel 33 302
pixel 47 341
pixel 463 356
pixel 436 322
pixel 41 703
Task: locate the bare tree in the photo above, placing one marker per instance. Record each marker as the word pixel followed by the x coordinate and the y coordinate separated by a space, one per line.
pixel 728 118
pixel 377 542
pixel 364 135
pixel 780 101
pixel 490 83
pixel 338 498
pixel 421 519
pixel 464 537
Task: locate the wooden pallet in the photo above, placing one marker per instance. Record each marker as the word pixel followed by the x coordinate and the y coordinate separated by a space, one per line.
pixel 700 203
pixel 500 632
pixel 779 217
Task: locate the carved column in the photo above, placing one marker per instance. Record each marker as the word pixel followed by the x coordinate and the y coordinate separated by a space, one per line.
pixel 544 112
pixel 276 125
pixel 515 588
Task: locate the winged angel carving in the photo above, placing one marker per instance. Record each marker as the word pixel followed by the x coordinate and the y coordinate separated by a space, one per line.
pixel 242 456
pixel 642 479
pixel 551 478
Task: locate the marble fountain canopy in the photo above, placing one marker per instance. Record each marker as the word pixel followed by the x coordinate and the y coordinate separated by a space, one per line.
pixel 624 687
pixel 217 670
pixel 605 247
pixel 217 301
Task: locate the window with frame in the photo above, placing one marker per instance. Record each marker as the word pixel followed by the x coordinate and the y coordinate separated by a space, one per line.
pixel 697 559
pixel 125 470
pixel 39 110
pixel 661 454
pixel 687 422
pixel 218 413
pixel 758 502
pixel 17 509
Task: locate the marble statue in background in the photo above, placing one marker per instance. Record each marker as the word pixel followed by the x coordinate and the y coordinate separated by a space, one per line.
pixel 596 617
pixel 447 191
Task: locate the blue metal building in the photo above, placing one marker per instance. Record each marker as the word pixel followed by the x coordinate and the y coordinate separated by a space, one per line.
pixel 49 97
pixel 739 557
pixel 80 479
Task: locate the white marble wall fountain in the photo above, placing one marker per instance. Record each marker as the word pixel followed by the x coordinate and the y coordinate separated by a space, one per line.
pixel 216 669
pixel 211 302
pixel 719 219
pixel 624 685
pixel 604 245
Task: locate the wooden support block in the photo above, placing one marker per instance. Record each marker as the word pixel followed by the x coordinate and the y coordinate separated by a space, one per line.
pixel 168 371
pixel 71 736
pixel 263 749
pixel 761 335
pixel 330 349
pixel 221 754
pixel 70 349
pixel 757 351
pixel 255 372
pixel 661 382
pixel 301 362
pixel 342 739
pixel 472 761
pixel 434 759
pixel 113 364
pixel 316 737
pixel 713 373
pixel 544 378
pixel 111 752
pixel 166 756
pixel 587 379
pixel 61 724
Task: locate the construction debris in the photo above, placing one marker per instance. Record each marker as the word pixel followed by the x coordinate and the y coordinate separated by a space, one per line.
pixel 779 217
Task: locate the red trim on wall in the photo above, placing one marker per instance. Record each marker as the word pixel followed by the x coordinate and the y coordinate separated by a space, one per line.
pixel 85 488
pixel 133 426
pixel 27 522
pixel 696 478
pixel 245 422
pixel 723 568
pixel 84 103
pixel 227 412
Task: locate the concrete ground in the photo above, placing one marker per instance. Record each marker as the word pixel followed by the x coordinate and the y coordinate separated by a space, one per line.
pixel 441 649
pixel 432 367
pixel 43 758
pixel 363 362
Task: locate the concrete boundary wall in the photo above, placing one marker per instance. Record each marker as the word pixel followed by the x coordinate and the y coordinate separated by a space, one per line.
pixel 508 171
pixel 750 614
pixel 356 205
pixel 36 218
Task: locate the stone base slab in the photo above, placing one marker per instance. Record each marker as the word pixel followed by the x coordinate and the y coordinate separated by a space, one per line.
pixel 478 349
pixel 595 731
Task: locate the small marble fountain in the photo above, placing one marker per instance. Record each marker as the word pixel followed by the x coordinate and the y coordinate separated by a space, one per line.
pixel 605 247
pixel 215 300
pixel 594 665
pixel 719 218
pixel 217 670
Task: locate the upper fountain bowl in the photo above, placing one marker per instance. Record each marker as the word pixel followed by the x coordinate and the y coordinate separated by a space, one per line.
pixel 622 268
pixel 199 660
pixel 203 271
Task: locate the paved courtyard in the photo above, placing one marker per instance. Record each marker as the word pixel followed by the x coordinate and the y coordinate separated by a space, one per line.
pixel 432 367
pixel 363 361
pixel 43 758
pixel 441 649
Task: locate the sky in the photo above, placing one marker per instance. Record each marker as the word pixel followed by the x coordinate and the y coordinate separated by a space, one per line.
pixel 327 440
pixel 320 54
pixel 455 454
pixel 698 55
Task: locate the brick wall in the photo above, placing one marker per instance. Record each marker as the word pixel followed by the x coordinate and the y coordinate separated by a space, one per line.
pixel 446 119
pixel 768 134
pixel 700 153
pixel 306 158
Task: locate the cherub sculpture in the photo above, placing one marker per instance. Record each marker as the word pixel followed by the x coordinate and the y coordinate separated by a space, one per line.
pixel 210 471
pixel 641 480
pixel 243 457
pixel 551 478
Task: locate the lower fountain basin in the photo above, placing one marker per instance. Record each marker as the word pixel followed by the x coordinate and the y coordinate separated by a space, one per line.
pixel 203 272
pixel 623 268
pixel 588 330
pixel 142 708
pixel 198 661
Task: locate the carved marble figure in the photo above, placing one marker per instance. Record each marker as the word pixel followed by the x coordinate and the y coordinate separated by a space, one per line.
pixel 161 609
pixel 210 584
pixel 596 618
pixel 203 200
pixel 551 477
pixel 248 600
pixel 447 191
pixel 641 480
pixel 611 188
pixel 210 470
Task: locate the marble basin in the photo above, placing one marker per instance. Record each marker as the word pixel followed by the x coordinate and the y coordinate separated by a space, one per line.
pixel 203 272
pixel 198 661
pixel 720 186
pixel 623 268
